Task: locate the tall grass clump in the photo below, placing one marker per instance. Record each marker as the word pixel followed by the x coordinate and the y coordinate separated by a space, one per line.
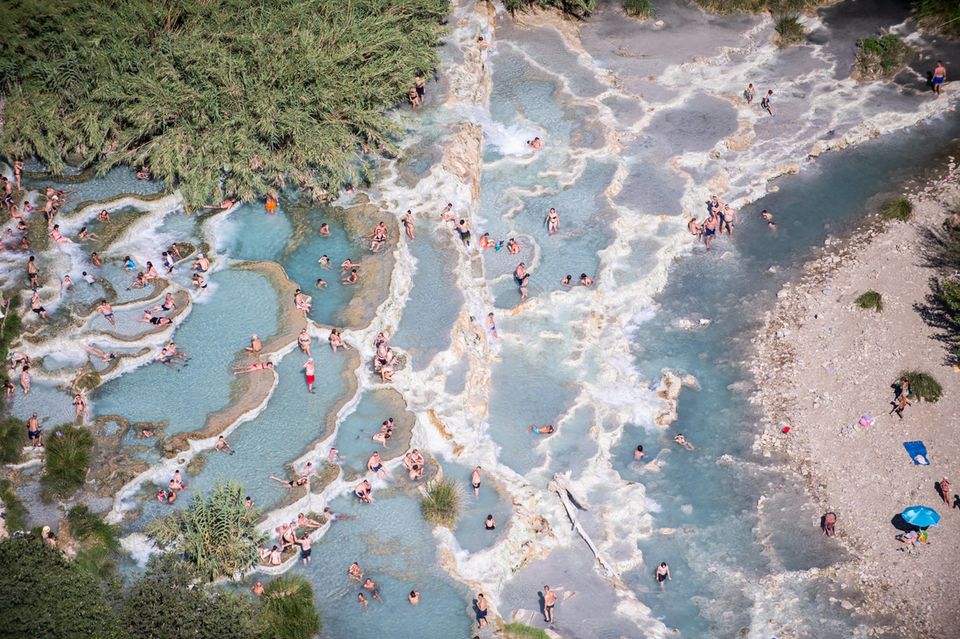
pixel 941 16
pixel 67 451
pixel 923 386
pixel 638 8
pixel 871 300
pixel 897 208
pixel 216 533
pixel 12 440
pixel 217 98
pixel 14 512
pixel 517 630
pixel 441 503
pixel 86 525
pixel 575 8
pixel 882 57
pixel 287 609
pixel 789 30
pixel 10 325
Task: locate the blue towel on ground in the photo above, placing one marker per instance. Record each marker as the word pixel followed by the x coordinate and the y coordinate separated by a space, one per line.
pixel 917 452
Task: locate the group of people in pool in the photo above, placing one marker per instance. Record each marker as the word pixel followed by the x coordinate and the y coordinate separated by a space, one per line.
pixel 175 486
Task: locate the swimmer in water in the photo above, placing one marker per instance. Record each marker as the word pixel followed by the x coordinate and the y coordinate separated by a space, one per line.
pixel 364 491
pixel 694 228
pixel 513 247
pixel 552 222
pixel 586 280
pixel 475 481
pixel 566 281
pixel 354 571
pixel 351 278
pixel 535 144
pixel 371 585
pixel 638 454
pixel 321 283
pixel 292 483
pixel 324 262
pixel 542 430
pixel 682 441
pixel 375 465
pixel 66 284
pixel 414 597
pixel 325 230
pixel 768 218
pixel 222 445
pixel 407 220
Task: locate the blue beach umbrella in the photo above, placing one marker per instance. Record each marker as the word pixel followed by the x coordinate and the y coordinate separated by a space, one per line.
pixel 921 516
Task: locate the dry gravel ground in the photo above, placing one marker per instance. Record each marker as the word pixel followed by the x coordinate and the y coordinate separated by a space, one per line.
pixel 822 362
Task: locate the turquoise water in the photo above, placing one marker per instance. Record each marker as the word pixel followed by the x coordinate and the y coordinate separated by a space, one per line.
pixel 435 300
pixel 212 335
pixel 567 359
pixel 354 435
pixel 117 181
pixel 395 548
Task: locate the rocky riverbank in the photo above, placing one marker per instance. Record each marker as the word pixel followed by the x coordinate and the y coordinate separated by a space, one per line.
pixel 823 362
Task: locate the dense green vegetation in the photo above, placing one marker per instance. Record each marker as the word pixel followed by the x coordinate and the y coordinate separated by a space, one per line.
pixel 789 30
pixel 218 98
pixel 441 504
pixel 162 604
pixel 943 304
pixel 10 326
pixel 67 453
pixel 15 514
pixel 575 8
pixel 217 534
pixel 881 57
pixel 46 595
pixel 923 386
pixel 13 438
pixel 287 609
pixel 898 208
pixel 942 16
pixel 638 8
pixel 517 630
pixel 871 300
pixel 774 7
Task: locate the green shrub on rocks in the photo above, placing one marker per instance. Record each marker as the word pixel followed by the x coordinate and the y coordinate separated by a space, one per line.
pixel 67 450
pixel 898 208
pixel 517 630
pixel 871 300
pixel 789 30
pixel 575 8
pixel 14 512
pixel 441 504
pixel 923 386
pixel 216 533
pixel 287 609
pixel 638 8
pixel 883 57
pixel 941 16
pixel 13 438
